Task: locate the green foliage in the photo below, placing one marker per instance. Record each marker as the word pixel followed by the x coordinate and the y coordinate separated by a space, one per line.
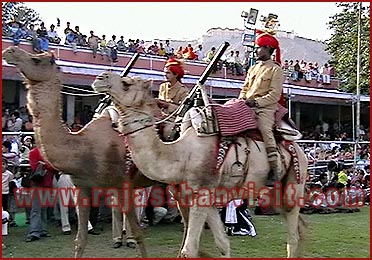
pixel 343 43
pixel 19 12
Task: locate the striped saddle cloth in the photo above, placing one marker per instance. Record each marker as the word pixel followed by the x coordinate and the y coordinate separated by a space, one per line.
pixel 235 117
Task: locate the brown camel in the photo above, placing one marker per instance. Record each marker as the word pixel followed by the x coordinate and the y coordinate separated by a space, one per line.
pixel 191 161
pixel 95 156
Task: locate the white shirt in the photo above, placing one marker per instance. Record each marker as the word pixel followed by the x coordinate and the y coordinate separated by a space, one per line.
pixel 6 178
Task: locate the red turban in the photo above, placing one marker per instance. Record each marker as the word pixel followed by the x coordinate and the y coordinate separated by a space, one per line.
pixel 175 66
pixel 264 39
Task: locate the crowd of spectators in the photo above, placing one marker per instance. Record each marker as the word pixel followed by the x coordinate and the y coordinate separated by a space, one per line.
pixel 341 188
pixel 298 70
pixel 110 46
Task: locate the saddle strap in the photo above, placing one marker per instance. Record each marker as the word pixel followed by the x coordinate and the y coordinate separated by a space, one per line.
pixel 294 159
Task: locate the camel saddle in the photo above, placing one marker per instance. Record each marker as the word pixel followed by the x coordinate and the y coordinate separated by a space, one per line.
pixel 235 118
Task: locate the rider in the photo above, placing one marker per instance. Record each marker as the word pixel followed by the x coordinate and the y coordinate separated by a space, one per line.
pixel 262 91
pixel 172 91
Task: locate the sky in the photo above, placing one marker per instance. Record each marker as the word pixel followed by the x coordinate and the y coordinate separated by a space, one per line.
pixel 183 21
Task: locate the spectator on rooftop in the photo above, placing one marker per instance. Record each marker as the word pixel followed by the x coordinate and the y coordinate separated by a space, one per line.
pixel 141 47
pixel 42 34
pixel 111 45
pixel 31 35
pixel 153 49
pixel 53 36
pixel 78 36
pixel 103 46
pixel 121 44
pixel 169 51
pixel 161 51
pixel 190 54
pixel 200 53
pixel 179 53
pixel 93 41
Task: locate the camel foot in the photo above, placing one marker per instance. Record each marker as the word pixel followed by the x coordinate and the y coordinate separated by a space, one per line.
pixel 131 245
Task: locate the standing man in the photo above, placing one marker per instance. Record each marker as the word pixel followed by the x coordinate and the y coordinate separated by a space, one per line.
pixel 39 197
pixel 172 91
pixel 262 91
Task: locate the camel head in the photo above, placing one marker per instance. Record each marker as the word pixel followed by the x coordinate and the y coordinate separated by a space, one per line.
pixel 124 91
pixel 34 67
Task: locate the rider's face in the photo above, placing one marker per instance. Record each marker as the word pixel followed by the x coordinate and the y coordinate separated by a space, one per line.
pixel 169 76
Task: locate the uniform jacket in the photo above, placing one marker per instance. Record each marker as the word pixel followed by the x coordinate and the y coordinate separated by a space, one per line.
pixel 174 94
pixel 264 83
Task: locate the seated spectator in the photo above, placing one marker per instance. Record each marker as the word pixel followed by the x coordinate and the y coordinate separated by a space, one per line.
pixel 210 54
pixel 169 51
pixel 53 36
pixel 15 31
pixel 153 49
pixel 155 213
pixel 14 123
pixel 131 46
pixel 71 40
pixel 141 47
pixel 42 34
pixel 324 75
pixel 121 44
pixel 31 35
pixel 189 54
pixel 200 53
pixel 161 51
pixel 179 53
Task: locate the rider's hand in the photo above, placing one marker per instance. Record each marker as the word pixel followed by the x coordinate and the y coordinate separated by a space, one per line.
pixel 250 102
pixel 162 103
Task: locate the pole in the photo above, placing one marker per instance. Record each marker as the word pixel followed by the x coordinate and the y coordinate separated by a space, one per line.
pixel 289 102
pixel 358 85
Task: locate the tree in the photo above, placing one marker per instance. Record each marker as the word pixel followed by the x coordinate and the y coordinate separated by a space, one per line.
pixel 342 46
pixel 19 12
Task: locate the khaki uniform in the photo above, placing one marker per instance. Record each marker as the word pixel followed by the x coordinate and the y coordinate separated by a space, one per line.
pixel 264 84
pixel 174 94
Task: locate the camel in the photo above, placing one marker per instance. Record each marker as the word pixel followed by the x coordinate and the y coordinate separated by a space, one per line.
pixel 67 151
pixel 191 161
pixel 95 156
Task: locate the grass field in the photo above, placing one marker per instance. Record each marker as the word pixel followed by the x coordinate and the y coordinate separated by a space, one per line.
pixel 331 235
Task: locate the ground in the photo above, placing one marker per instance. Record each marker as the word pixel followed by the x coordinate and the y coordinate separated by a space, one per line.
pixel 330 235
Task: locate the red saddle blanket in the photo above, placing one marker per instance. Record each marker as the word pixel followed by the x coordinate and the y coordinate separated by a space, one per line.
pixel 235 117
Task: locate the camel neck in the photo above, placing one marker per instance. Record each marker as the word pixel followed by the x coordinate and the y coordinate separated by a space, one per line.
pixel 45 105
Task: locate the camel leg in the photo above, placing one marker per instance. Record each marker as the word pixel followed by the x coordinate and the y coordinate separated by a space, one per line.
pixel 184 211
pixel 81 239
pixel 291 218
pixel 218 231
pixel 197 218
pixel 134 230
pixel 302 228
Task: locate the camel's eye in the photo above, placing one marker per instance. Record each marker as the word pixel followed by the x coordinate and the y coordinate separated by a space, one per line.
pixel 126 86
pixel 36 61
